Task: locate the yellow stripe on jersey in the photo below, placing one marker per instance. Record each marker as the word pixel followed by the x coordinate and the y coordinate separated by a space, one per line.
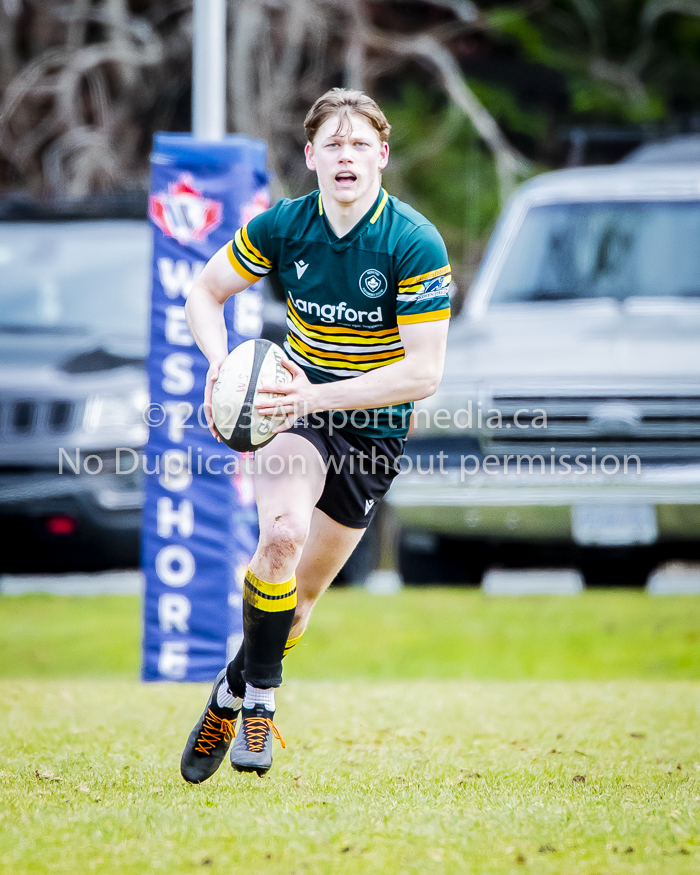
pixel 378 211
pixel 253 253
pixel 340 363
pixel 343 335
pixel 343 341
pixel 348 357
pixel 425 276
pixel 385 335
pixel 429 316
pixel 237 266
pixel 249 253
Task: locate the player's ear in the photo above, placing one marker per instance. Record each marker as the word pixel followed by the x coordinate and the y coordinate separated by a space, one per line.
pixel 309 155
pixel 383 155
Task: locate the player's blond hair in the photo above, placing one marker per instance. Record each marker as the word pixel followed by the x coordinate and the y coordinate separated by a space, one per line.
pixel 343 102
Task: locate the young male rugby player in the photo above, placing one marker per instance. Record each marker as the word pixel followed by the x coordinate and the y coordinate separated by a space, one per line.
pixel 367 281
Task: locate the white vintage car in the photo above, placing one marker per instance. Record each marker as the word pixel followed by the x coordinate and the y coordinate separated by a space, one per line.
pixel 569 414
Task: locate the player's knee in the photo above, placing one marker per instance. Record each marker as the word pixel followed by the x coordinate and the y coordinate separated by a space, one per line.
pixel 282 541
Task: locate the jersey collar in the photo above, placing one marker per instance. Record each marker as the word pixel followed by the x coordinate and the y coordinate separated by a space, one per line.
pixel 369 218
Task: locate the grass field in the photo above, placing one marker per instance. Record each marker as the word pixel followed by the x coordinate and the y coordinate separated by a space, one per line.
pixel 460 735
pixel 436 633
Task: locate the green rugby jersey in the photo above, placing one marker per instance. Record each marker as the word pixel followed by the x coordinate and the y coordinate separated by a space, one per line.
pixel 347 296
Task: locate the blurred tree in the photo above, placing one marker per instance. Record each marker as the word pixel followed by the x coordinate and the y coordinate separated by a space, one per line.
pixel 82 82
pixel 477 94
pixel 284 53
pixel 81 76
pixel 619 62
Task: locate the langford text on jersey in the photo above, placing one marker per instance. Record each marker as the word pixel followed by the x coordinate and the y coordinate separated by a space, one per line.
pixel 327 312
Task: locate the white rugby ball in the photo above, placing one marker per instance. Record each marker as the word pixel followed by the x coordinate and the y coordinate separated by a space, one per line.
pixel 251 364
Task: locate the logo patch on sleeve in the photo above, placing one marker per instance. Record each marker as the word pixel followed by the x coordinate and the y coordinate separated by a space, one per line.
pixel 373 283
pixel 434 288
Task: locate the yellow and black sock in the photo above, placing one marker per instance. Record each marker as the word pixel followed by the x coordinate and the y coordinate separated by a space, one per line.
pixel 268 614
pixel 291 642
pixel 234 672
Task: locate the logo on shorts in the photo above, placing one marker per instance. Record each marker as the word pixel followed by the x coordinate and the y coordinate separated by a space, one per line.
pixel 369 504
pixel 373 283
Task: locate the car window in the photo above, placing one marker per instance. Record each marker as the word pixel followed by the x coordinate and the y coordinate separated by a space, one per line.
pixel 76 277
pixel 603 250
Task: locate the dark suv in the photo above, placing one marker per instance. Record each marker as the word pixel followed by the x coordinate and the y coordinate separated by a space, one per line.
pixel 74 292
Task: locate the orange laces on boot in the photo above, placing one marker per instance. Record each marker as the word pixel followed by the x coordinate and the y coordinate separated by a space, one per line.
pixel 213 730
pixel 255 730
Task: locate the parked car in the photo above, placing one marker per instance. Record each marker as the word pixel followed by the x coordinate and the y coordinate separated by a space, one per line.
pixel 579 346
pixel 73 339
pixel 679 149
pixel 74 318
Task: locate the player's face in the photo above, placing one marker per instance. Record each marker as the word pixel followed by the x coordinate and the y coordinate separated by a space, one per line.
pixel 349 161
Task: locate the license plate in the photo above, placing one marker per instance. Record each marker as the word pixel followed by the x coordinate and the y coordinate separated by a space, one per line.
pixel 613 525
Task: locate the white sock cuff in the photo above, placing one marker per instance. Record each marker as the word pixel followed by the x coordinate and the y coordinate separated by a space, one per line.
pixel 225 698
pixel 257 696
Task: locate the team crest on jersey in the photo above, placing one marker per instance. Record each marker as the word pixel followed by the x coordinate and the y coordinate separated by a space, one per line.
pixel 373 283
pixel 183 212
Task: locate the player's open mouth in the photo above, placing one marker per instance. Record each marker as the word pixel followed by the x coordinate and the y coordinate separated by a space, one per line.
pixel 345 178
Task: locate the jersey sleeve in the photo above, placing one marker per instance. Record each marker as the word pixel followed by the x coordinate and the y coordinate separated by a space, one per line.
pixel 424 277
pixel 251 250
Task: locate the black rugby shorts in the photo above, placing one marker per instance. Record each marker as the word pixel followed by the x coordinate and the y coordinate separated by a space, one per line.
pixel 359 469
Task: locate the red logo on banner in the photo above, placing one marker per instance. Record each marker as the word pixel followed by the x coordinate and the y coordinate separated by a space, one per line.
pixel 183 213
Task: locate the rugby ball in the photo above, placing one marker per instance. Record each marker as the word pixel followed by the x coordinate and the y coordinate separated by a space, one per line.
pixel 251 364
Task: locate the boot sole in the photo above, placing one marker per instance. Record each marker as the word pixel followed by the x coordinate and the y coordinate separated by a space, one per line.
pixel 260 772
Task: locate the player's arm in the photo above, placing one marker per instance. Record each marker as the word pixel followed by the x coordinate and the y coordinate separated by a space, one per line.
pixel 416 376
pixel 204 310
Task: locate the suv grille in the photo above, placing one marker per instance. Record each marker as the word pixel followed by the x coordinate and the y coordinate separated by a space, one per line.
pixel 24 418
pixel 654 426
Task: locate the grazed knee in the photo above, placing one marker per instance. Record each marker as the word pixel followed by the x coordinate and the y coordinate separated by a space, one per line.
pixel 281 542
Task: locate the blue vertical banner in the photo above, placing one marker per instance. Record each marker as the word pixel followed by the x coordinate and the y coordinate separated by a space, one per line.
pixel 199 523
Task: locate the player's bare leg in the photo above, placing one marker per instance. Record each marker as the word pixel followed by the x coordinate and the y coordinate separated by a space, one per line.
pixel 328 548
pixel 286 501
pixel 286 505
pixel 289 479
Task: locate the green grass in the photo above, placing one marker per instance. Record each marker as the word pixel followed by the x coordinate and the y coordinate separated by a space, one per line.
pixel 440 633
pixel 572 777
pixel 433 732
pixel 66 636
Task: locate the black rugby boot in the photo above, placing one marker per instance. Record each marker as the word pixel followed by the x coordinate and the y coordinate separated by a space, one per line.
pixel 210 739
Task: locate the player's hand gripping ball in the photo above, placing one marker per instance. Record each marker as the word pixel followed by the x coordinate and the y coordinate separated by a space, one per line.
pixel 251 364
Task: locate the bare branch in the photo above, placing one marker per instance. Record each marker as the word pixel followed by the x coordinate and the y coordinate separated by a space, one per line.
pixel 654 10
pixel 510 163
pixel 623 77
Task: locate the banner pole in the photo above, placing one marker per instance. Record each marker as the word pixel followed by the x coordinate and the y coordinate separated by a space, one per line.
pixel 209 70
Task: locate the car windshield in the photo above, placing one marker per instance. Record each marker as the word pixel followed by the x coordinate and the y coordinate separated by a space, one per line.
pixel 75 277
pixel 603 250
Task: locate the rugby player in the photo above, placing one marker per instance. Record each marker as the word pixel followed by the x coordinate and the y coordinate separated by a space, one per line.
pixel 367 280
